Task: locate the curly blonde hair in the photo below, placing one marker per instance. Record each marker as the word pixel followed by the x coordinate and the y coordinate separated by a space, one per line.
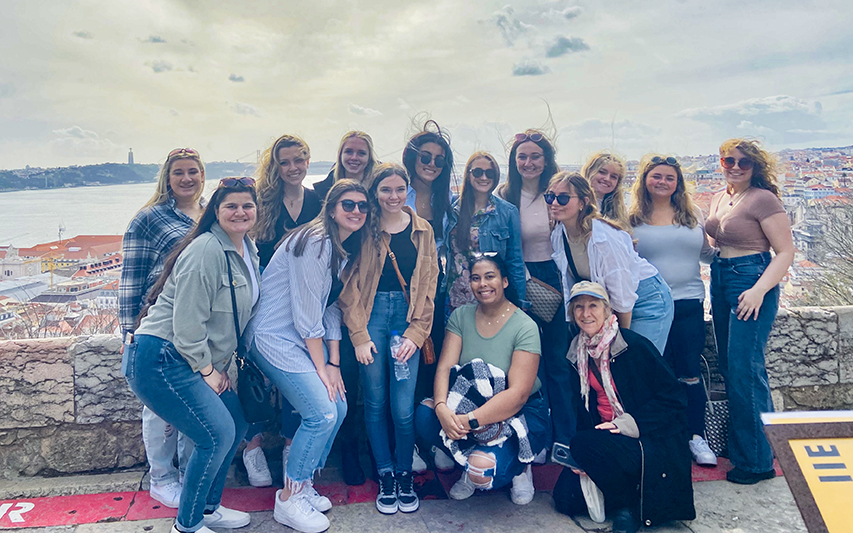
pixel 765 170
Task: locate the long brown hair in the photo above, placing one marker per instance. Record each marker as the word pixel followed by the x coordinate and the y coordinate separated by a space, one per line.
pixel 270 186
pixel 641 200
pixel 511 190
pixel 585 194
pixel 467 199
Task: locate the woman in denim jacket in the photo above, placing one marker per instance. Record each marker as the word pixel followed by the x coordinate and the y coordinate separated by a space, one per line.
pixel 480 222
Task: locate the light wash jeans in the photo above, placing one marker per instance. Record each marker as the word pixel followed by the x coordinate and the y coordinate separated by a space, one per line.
pixel 321 418
pixel 653 311
pixel 381 387
pixel 163 380
pixel 161 440
pixel 740 352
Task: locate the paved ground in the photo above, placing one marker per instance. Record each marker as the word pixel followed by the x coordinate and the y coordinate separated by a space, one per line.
pixel 721 507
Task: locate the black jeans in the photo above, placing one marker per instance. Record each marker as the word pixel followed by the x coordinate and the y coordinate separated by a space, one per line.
pixel 350 375
pixel 683 352
pixel 554 367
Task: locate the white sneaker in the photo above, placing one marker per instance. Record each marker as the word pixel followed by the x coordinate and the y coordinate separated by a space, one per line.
pixel 463 488
pixel 522 490
pixel 702 453
pixel 443 463
pixel 256 467
pixel 418 465
pixel 542 457
pixel 168 494
pixel 317 500
pixel 202 530
pixel 227 518
pixel 299 514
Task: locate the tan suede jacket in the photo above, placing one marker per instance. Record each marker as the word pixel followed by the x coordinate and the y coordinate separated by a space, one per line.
pixel 356 299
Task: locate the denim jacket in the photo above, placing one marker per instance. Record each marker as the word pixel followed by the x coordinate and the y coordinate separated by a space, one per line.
pixel 501 233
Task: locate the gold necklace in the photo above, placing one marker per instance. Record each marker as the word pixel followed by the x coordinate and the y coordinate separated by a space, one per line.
pixel 497 320
pixel 736 198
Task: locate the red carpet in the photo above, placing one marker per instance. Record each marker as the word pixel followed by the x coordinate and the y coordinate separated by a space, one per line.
pixel 129 506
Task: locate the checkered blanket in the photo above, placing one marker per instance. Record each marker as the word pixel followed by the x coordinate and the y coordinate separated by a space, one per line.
pixel 473 385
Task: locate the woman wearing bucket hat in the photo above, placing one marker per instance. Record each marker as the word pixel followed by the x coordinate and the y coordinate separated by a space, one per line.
pixel 632 426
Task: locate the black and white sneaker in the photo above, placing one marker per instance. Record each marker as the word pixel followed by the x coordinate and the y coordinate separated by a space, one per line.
pixel 408 500
pixel 386 500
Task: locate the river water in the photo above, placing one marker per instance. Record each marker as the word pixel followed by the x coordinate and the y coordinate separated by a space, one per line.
pixel 28 218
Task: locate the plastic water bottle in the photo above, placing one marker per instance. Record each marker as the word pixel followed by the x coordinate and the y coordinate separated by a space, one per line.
pixel 401 370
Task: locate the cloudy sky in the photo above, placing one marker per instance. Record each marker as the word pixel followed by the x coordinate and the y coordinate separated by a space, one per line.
pixel 81 81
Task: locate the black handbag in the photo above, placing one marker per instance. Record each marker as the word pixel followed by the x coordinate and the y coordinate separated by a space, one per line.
pixel 252 390
pixel 716 416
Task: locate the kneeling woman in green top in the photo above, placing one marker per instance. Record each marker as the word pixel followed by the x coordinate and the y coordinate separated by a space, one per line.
pixel 500 334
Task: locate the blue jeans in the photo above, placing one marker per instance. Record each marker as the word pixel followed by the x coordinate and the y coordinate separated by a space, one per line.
pixel 321 418
pixel 653 310
pixel 161 441
pixel 164 381
pixel 740 352
pixel 381 387
pixel 507 465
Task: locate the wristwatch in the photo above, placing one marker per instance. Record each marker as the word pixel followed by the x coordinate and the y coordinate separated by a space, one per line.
pixel 472 421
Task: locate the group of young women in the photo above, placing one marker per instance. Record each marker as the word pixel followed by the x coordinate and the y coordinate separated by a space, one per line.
pixel 353 279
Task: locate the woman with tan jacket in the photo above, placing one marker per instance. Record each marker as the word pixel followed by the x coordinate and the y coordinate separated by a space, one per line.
pixel 388 306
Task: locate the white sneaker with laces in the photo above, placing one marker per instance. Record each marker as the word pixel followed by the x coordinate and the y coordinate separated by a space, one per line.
pixel 462 489
pixel 228 518
pixel 418 465
pixel 443 463
pixel 317 500
pixel 522 490
pixel 257 468
pixel 702 453
pixel 299 514
pixel 168 494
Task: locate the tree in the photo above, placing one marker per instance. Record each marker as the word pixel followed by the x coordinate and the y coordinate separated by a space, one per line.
pixel 834 253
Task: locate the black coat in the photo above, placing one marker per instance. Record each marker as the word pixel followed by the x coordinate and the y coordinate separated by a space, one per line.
pixel 650 393
pixel 322 187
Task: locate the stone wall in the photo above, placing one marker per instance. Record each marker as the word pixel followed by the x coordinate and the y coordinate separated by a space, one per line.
pixel 65 408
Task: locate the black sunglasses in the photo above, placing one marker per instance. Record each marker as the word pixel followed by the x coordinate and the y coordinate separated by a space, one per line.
pixel 228 183
pixel 562 198
pixel 489 172
pixel 426 157
pixel 350 205
pixel 729 163
pixel 671 161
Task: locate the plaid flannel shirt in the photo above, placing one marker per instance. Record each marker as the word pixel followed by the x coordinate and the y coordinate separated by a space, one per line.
pixel 149 238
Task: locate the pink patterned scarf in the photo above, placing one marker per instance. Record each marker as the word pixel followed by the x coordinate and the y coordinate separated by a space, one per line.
pixel 597 348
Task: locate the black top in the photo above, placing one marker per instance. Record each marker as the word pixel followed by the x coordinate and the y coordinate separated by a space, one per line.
pixel 407 255
pixel 322 187
pixel 311 206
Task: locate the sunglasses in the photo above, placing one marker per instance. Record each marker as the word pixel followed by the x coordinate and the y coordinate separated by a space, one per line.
pixel 671 161
pixel 562 198
pixel 182 152
pixel 227 183
pixel 350 205
pixel 426 158
pixel 730 162
pixel 522 137
pixel 478 173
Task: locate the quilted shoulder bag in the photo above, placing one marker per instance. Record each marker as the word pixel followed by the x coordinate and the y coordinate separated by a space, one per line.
pixel 716 416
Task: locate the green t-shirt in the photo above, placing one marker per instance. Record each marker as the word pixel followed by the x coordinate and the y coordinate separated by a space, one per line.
pixel 519 333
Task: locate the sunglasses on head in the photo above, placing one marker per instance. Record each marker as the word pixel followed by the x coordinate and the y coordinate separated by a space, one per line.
pixel 671 161
pixel 182 152
pixel 489 172
pixel 562 198
pixel 426 158
pixel 350 205
pixel 730 162
pixel 522 137
pixel 227 183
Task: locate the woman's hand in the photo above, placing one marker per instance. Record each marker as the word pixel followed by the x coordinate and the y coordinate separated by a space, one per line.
pixel 364 352
pixel 609 426
pixel 749 303
pixel 331 378
pixel 451 423
pixel 407 350
pixel 217 381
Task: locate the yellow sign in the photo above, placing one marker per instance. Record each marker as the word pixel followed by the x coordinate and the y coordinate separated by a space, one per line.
pixel 827 465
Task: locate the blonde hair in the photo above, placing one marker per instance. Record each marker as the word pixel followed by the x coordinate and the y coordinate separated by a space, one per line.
pixel 681 199
pixel 613 203
pixel 340 172
pixel 765 169
pixel 164 188
pixel 270 187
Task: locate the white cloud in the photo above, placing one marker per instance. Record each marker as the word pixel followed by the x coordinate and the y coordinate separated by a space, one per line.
pixel 154 39
pixel 245 109
pixel 529 67
pixel 363 111
pixel 510 27
pixel 76 142
pixel 82 34
pixel 159 66
pixel 571 12
pixel 6 90
pixel 566 45
pixel 403 104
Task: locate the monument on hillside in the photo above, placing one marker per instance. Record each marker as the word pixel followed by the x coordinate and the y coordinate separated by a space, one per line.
pixel 130 157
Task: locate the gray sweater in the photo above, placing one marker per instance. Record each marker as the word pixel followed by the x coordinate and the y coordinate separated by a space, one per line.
pixel 194 310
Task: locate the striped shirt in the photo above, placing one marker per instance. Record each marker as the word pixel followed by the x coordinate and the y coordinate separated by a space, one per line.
pixel 293 306
pixel 150 237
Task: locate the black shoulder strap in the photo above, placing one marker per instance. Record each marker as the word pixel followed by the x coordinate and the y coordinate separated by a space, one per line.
pixel 233 299
pixel 570 259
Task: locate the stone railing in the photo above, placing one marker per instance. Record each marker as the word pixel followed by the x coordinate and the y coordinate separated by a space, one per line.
pixel 65 408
